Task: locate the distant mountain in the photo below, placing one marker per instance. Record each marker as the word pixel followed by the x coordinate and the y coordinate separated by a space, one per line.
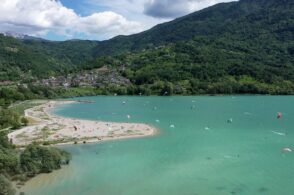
pixel 14 35
pixel 21 36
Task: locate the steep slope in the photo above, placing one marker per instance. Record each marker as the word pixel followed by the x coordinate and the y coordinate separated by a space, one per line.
pixel 246 17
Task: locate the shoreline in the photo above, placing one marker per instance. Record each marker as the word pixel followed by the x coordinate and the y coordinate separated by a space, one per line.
pixel 48 128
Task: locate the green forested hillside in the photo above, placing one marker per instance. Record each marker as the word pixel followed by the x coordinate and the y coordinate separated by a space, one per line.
pixel 238 47
pixel 245 20
pixel 208 66
pixel 41 58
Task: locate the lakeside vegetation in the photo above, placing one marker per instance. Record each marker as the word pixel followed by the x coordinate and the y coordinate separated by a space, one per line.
pixel 20 165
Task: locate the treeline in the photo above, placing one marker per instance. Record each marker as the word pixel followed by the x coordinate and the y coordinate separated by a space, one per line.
pixel 32 161
pixel 208 66
pixel 16 165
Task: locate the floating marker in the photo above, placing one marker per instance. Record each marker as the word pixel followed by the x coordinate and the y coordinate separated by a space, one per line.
pixel 287 150
pixel 279 133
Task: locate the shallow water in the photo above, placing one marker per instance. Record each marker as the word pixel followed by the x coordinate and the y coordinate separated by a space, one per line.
pixel 202 154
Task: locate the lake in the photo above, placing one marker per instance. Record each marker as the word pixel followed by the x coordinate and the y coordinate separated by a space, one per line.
pixel 205 145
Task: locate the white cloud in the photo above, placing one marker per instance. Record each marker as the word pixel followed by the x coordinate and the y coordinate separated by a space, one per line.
pixel 133 9
pixel 176 8
pixel 115 17
pixel 40 16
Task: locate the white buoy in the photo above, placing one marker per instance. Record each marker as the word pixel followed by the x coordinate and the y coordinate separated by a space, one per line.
pixel 129 116
pixel 157 121
pixel 287 150
pixel 172 126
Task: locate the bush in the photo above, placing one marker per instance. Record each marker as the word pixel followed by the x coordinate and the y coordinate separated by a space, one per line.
pixel 24 121
pixel 36 159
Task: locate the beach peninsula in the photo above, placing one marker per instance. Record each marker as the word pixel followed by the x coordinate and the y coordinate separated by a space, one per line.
pixel 50 129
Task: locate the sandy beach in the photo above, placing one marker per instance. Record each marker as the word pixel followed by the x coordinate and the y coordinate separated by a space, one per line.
pixel 51 129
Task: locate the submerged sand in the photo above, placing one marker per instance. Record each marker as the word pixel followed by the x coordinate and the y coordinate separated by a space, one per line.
pixel 51 129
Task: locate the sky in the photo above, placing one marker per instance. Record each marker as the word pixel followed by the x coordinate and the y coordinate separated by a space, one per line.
pixel 91 19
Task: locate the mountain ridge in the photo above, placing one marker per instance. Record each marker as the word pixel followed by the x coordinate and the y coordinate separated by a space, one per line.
pixel 196 25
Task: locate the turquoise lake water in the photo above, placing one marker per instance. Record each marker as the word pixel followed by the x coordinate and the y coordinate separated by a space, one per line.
pixel 204 154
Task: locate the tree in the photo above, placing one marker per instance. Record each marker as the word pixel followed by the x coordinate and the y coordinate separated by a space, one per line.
pixel 6 186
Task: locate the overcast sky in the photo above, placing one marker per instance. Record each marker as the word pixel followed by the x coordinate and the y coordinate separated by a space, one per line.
pixel 91 19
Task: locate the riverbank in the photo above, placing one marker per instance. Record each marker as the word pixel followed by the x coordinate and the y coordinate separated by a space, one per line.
pixel 50 129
